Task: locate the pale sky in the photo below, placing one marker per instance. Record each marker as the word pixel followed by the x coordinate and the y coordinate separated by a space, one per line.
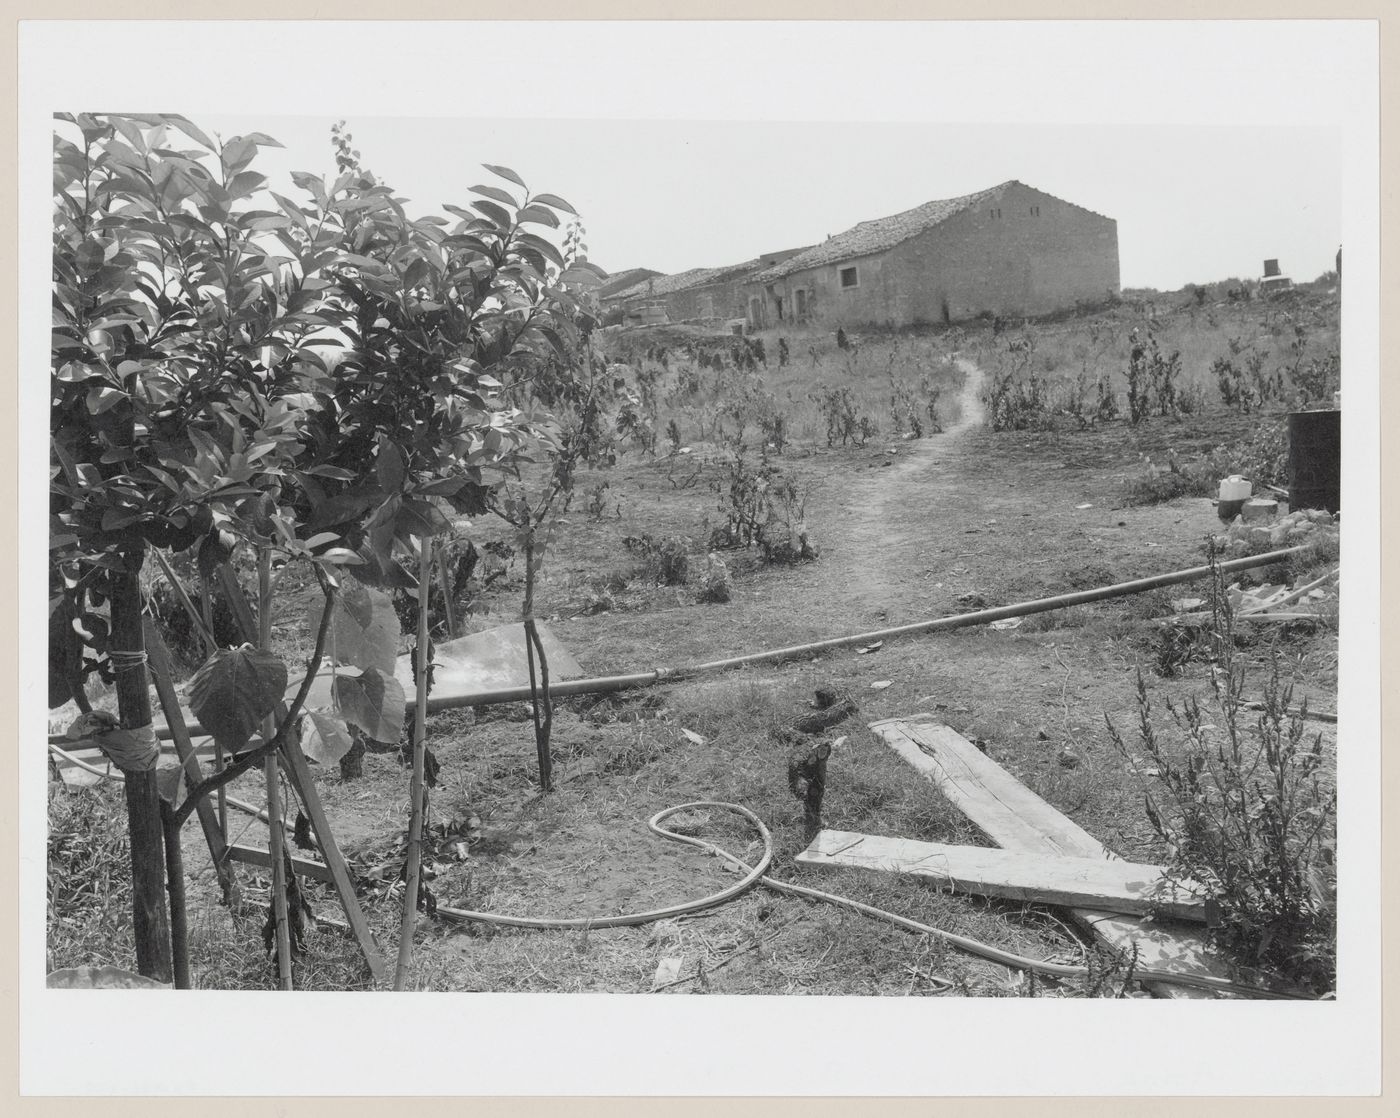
pixel 1193 203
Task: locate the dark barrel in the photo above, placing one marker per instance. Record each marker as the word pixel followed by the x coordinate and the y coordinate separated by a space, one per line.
pixel 1315 460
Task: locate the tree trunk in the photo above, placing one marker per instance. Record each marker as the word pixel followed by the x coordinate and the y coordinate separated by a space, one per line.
pixel 352 763
pixel 149 920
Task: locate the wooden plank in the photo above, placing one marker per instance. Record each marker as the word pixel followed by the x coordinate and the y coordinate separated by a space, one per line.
pixel 1108 883
pixel 1003 808
pixel 994 800
pixel 253 856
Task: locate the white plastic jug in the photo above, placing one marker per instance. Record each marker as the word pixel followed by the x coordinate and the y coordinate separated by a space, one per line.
pixel 1235 488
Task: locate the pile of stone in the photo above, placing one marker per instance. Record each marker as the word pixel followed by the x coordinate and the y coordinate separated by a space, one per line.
pixel 1315 526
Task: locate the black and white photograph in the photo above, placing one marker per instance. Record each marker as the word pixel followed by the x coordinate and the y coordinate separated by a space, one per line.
pixel 710 528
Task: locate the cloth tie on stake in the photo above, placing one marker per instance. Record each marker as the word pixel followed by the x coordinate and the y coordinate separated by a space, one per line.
pixel 133 750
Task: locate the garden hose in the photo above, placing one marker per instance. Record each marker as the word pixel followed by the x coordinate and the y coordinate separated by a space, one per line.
pixel 757 874
pixel 118 778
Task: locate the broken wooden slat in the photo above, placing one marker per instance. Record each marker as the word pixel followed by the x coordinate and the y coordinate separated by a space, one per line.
pixel 253 856
pixel 1108 883
pixel 1014 817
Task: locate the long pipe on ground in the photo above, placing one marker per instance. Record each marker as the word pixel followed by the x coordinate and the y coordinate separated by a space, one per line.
pixel 605 684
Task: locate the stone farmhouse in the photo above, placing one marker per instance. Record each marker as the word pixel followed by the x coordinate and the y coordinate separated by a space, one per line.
pixel 1009 250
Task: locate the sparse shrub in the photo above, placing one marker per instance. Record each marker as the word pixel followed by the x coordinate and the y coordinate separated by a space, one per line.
pixel 1234 392
pixel 1191 400
pixel 905 413
pixel 1017 405
pixel 665 561
pixel 1263 458
pixel 1106 406
pixel 1242 805
pixel 1139 380
pixel 1076 400
pixel 599 599
pixel 686 388
pixel 1265 387
pixel 598 501
pixel 837 407
pixel 714 583
pixel 762 507
pixel 1157 485
pixel 1152 377
pixel 1319 380
pixel 1017 400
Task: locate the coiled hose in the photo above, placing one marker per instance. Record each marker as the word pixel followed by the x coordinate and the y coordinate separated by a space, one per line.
pixel 757 875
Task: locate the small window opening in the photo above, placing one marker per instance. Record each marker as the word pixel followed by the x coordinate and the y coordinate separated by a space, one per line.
pixel 849 277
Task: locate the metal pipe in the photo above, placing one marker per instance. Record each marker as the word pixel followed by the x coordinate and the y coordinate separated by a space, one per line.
pixel 605 684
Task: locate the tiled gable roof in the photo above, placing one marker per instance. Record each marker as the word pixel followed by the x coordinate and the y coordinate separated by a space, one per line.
pixel 882 233
pixel 620 281
pixel 683 281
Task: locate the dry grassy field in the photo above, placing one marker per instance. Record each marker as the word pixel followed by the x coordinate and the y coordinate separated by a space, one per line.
pixel 907 476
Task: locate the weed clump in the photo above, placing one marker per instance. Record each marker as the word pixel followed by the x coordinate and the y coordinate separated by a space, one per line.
pixel 762 507
pixel 665 561
pixel 714 583
pixel 1244 809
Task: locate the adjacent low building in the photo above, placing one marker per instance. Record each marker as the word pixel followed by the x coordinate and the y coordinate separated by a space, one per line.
pixel 1009 250
pixel 698 295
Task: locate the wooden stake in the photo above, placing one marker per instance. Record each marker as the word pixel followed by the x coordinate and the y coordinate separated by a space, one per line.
pixel 276 836
pixel 541 705
pixel 214 835
pixel 175 873
pixel 415 794
pixel 150 924
pixel 449 611
pixel 206 605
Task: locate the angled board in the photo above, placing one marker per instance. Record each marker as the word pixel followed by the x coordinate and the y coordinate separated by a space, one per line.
pixel 1108 883
pixel 1015 818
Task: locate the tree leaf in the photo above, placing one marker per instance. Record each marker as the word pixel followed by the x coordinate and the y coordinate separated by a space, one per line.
pixel 420 518
pixel 234 690
pixel 555 201
pixel 539 215
pixel 506 173
pixel 499 217
pixel 364 628
pixel 495 192
pixel 189 130
pixel 325 738
pixel 372 701
pixel 389 467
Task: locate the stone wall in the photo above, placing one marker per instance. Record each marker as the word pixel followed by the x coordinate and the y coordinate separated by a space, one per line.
pixel 1026 253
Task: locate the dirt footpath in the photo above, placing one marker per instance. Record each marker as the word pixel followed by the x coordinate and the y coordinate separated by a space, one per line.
pixel 889 516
